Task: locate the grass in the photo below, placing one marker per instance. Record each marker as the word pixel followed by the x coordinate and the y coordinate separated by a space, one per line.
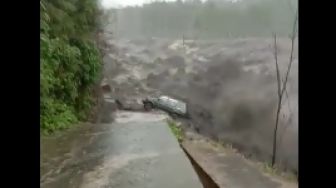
pixel 267 168
pixel 263 166
pixel 177 130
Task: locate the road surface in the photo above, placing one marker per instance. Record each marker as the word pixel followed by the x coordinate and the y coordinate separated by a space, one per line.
pixel 136 150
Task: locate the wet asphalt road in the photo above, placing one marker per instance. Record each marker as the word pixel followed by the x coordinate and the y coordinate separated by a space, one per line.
pixel 137 150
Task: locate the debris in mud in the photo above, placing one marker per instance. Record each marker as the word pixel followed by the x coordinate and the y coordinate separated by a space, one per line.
pixel 175 61
pixel 134 104
pixel 106 88
pixel 107 112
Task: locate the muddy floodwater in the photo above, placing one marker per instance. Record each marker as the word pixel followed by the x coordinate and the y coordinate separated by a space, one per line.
pixel 229 85
pixel 230 88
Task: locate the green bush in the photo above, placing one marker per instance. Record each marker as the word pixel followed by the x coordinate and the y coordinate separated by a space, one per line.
pixel 70 62
pixel 177 130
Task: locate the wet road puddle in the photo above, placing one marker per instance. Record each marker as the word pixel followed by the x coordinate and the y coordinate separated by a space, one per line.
pixel 136 150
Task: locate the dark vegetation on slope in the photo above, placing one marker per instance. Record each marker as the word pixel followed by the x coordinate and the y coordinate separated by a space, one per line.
pixel 70 62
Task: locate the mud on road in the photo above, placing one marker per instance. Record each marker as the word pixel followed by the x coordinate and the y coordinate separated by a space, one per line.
pixel 229 85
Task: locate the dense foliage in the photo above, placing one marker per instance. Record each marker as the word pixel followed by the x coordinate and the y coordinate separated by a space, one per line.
pixel 207 19
pixel 70 61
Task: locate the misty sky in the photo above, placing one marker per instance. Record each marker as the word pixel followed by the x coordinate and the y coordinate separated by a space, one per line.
pixel 122 3
pixel 117 3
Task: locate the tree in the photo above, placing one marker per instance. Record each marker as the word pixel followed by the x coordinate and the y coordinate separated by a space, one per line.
pixel 282 85
pixel 70 62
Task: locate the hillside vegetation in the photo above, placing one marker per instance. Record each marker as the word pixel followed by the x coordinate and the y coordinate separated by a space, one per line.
pixel 70 62
pixel 206 19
